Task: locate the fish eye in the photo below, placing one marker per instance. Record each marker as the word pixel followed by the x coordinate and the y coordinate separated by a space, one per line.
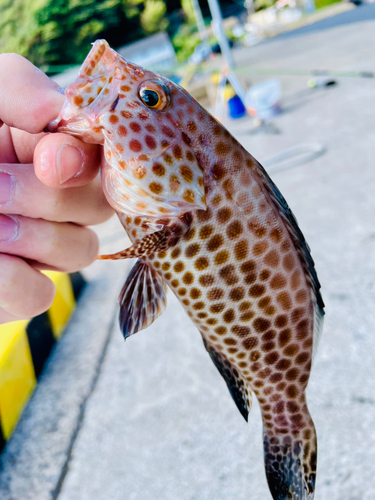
pixel 154 95
pixel 150 97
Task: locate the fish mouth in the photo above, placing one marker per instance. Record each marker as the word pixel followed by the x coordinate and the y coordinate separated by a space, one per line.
pixel 77 127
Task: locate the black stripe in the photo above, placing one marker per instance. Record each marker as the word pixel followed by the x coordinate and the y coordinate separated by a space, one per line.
pixel 41 341
pixel 78 283
pixel 2 438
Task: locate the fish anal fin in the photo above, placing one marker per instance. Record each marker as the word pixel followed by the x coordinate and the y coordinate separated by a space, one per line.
pixel 240 393
pixel 142 299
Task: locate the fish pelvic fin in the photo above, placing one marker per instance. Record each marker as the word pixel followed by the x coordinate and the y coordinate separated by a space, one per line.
pixel 142 299
pixel 239 391
pixel 290 463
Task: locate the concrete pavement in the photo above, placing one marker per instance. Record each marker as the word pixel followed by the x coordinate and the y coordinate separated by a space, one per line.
pixel 152 418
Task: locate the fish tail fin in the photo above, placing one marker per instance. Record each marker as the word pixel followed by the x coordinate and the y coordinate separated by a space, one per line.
pixel 290 460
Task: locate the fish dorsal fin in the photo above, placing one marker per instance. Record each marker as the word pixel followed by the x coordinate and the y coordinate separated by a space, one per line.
pixel 142 299
pixel 93 85
pixel 301 246
pixel 165 184
pixel 240 393
pixel 318 322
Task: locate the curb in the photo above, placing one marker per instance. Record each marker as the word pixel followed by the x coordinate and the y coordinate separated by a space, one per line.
pixel 25 346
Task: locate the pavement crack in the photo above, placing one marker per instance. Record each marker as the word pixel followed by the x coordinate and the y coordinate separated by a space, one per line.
pixel 65 469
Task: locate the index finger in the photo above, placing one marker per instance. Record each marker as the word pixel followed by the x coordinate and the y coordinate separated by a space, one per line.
pixel 29 100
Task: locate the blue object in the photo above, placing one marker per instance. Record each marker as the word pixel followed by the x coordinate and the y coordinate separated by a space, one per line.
pixel 236 107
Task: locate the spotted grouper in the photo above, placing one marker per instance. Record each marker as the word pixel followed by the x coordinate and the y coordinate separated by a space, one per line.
pixel 206 220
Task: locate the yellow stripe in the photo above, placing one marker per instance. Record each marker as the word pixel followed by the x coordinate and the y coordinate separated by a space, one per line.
pixel 63 305
pixel 17 378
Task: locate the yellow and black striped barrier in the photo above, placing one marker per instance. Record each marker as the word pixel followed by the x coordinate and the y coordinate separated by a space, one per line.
pixel 25 346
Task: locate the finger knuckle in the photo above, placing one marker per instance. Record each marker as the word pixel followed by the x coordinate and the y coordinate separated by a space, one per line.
pixel 40 293
pixel 8 276
pixel 24 292
pixel 42 298
pixel 93 246
pixel 89 249
pixel 104 213
pixel 102 209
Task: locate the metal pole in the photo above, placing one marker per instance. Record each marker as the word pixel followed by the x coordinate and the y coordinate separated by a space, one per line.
pixel 200 21
pixel 217 20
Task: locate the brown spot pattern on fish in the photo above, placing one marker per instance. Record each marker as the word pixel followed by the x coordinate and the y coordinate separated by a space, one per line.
pixel 214 228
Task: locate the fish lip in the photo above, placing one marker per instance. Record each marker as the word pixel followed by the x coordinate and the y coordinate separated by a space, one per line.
pixel 76 128
pixel 70 131
pixel 52 126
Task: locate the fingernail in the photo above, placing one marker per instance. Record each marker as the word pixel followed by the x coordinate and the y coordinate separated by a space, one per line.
pixel 8 228
pixel 69 163
pixel 7 186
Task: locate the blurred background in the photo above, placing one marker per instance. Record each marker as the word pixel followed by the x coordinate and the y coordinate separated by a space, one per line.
pixel 54 34
pixel 294 82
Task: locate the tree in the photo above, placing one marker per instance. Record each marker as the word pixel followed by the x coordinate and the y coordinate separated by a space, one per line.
pixel 152 18
pixel 60 31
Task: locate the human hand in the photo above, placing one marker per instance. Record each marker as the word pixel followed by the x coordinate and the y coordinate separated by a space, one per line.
pixel 49 191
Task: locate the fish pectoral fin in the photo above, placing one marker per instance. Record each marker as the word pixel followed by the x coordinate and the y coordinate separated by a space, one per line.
pixel 155 242
pixel 237 388
pixel 142 299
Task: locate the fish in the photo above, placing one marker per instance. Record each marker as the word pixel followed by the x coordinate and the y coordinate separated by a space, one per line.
pixel 206 221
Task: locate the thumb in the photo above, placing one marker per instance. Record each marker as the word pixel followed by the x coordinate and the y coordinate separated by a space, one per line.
pixel 63 161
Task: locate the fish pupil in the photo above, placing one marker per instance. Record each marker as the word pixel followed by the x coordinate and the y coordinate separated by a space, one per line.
pixel 149 97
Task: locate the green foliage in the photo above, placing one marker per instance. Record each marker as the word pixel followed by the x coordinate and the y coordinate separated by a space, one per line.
pixel 152 18
pixel 185 41
pixel 187 38
pixel 17 24
pixel 263 4
pixel 319 4
pixel 60 32
pixel 189 11
pixel 66 28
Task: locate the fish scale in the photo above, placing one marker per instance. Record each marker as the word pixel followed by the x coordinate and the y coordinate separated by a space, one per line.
pixel 207 221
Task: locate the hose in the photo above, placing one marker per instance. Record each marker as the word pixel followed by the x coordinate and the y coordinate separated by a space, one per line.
pixel 292 157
